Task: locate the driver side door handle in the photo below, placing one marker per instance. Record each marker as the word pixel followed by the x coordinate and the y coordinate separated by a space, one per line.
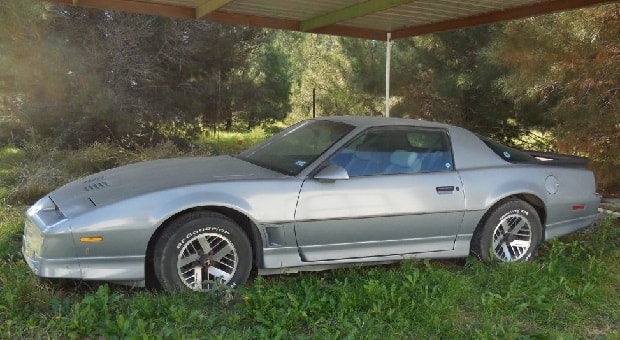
pixel 449 188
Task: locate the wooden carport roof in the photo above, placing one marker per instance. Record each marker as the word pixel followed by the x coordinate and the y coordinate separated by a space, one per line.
pixel 370 19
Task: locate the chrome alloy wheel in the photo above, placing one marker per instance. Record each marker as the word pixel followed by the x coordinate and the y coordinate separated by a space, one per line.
pixel 207 259
pixel 512 238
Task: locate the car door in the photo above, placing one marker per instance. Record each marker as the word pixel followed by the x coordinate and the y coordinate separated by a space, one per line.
pixel 402 196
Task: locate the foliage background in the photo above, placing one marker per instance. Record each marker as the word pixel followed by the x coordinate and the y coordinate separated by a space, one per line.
pixel 73 77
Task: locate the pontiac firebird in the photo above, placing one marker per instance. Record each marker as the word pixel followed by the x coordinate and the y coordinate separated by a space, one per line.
pixel 323 193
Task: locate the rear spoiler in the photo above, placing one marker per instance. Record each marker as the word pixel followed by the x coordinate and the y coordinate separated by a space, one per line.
pixel 550 158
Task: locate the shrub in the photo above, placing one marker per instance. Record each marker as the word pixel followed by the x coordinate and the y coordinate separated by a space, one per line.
pixel 96 157
pixel 36 172
pixel 166 149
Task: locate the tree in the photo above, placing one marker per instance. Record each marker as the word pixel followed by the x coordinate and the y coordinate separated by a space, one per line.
pixel 83 75
pixel 444 76
pixel 319 64
pixel 566 63
pixel 272 82
pixel 565 76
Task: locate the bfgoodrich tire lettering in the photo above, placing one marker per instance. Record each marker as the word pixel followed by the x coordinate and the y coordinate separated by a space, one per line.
pixel 200 249
pixel 511 232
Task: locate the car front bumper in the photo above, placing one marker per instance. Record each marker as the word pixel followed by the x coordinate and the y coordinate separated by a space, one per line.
pixel 32 243
pixel 121 269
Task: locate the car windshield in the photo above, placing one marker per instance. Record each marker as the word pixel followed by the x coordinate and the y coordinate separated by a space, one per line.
pixel 293 149
pixel 508 154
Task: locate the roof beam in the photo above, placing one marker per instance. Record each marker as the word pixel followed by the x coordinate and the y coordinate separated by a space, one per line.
pixel 354 32
pixel 252 20
pixel 350 12
pixel 291 25
pixel 135 7
pixel 210 6
pixel 494 17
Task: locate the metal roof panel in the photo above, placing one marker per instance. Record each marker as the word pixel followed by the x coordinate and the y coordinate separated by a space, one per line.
pixel 371 19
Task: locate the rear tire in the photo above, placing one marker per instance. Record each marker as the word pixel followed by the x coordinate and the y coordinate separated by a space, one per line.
pixel 201 249
pixel 511 233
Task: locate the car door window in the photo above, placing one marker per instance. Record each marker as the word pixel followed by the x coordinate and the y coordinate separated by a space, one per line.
pixel 434 149
pixel 396 150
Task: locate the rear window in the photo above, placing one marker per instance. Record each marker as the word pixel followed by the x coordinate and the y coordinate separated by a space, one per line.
pixel 507 153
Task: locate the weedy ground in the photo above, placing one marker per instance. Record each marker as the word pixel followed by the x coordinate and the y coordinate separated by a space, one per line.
pixel 570 290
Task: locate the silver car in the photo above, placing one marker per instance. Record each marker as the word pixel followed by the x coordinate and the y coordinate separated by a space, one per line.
pixel 323 193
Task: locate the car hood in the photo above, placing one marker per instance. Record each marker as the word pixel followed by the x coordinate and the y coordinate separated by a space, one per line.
pixel 132 180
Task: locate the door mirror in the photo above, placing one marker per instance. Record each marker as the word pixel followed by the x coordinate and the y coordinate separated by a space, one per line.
pixel 332 173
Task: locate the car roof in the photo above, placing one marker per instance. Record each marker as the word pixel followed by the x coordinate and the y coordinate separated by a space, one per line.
pixel 371 121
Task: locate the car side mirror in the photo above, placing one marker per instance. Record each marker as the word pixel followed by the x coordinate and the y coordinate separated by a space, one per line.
pixel 332 173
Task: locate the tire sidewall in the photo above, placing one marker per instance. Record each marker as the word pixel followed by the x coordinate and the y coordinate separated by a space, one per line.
pixel 185 229
pixel 483 238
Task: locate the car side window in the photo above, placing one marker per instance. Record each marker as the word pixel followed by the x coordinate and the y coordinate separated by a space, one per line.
pixel 395 151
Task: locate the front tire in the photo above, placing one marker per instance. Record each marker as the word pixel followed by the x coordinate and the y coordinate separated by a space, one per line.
pixel 511 232
pixel 201 249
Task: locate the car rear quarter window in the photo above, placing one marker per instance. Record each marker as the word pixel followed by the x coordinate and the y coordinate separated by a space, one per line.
pixel 507 153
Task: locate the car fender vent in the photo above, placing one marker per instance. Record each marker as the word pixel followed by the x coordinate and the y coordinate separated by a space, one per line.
pixel 96 185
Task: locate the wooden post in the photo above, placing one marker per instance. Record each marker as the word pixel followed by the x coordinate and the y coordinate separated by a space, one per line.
pixel 314 102
pixel 388 56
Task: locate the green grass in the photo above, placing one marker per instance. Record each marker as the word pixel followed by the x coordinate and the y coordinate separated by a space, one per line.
pixel 570 291
pixel 10 157
pixel 225 142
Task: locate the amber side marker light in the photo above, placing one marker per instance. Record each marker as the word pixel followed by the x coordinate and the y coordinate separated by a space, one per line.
pixel 91 239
